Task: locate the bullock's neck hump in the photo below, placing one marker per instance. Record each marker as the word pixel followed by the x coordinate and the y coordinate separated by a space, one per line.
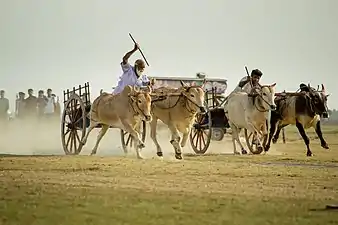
pixel 303 106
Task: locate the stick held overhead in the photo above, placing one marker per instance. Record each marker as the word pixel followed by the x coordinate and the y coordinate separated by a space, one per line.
pixel 139 49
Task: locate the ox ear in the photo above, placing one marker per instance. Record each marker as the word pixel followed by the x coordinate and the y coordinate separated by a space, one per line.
pixel 183 84
pixel 128 89
pixel 149 90
pixel 318 87
pixel 272 85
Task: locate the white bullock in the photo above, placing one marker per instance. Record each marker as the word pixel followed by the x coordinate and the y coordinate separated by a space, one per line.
pixel 250 111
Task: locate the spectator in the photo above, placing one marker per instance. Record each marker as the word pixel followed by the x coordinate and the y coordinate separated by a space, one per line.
pixel 57 108
pixel 31 104
pixel 50 107
pixel 41 103
pixel 4 106
pixel 20 105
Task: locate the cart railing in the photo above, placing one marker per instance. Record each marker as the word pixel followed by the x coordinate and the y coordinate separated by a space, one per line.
pixel 82 91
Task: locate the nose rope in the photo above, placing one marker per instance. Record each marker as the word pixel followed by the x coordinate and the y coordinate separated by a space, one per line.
pixel 137 112
pixel 192 111
pixel 264 109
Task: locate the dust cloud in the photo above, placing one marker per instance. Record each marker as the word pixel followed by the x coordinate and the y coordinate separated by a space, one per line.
pixel 44 138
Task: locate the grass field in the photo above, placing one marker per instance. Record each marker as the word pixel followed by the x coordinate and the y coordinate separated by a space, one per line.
pixel 210 189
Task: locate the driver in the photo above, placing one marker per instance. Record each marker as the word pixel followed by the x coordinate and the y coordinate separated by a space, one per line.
pixel 132 75
pixel 244 83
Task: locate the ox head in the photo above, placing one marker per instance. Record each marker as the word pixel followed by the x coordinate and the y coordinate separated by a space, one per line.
pixel 319 101
pixel 195 97
pixel 267 97
pixel 141 102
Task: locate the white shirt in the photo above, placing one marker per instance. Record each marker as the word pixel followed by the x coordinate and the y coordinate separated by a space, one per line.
pixel 50 105
pixel 129 77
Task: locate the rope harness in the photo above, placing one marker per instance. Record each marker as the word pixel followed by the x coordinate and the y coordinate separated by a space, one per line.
pixel 181 97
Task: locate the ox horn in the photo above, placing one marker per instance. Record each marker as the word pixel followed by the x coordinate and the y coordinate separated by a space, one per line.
pixel 136 89
pixel 183 84
pixel 318 87
pixel 149 90
pixel 323 88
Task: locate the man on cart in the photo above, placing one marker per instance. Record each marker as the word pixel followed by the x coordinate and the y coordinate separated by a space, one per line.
pixel 247 83
pixel 132 75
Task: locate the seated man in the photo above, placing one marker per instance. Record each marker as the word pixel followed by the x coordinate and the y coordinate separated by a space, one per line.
pixel 244 83
pixel 132 75
pixel 304 87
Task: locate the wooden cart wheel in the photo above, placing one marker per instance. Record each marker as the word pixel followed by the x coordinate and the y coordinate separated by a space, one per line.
pixel 127 140
pixel 217 134
pixel 200 135
pixel 253 145
pixel 73 125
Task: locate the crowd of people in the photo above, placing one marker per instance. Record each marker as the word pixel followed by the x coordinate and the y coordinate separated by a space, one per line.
pixel 31 107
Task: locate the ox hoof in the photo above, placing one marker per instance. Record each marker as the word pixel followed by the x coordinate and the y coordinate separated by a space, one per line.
pixel 178 156
pixel 237 153
pixel 260 148
pixel 309 154
pixel 274 140
pixel 244 152
pixel 325 145
pixel 159 154
pixel 139 156
pixel 93 153
pixel 266 148
pixel 141 145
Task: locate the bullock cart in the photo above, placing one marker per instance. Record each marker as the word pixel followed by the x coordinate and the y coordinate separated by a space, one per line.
pixel 214 124
pixel 214 89
pixel 209 126
pixel 75 120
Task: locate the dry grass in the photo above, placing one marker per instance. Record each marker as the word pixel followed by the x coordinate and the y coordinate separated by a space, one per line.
pixel 210 189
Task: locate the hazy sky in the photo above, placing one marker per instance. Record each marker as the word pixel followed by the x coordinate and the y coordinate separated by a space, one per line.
pixel 62 43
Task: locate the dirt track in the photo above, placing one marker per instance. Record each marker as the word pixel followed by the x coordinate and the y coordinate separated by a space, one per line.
pixel 44 139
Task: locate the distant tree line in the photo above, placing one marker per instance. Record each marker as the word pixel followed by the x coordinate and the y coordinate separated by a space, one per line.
pixel 333 114
pixel 333 119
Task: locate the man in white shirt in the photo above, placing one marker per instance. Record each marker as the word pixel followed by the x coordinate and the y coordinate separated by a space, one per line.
pixel 20 105
pixel 248 82
pixel 50 106
pixel 132 75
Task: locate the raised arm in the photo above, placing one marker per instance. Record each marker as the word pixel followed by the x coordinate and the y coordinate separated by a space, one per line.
pixel 128 54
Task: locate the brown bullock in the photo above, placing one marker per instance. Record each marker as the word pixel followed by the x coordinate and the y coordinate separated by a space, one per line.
pixel 125 110
pixel 303 110
pixel 178 112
